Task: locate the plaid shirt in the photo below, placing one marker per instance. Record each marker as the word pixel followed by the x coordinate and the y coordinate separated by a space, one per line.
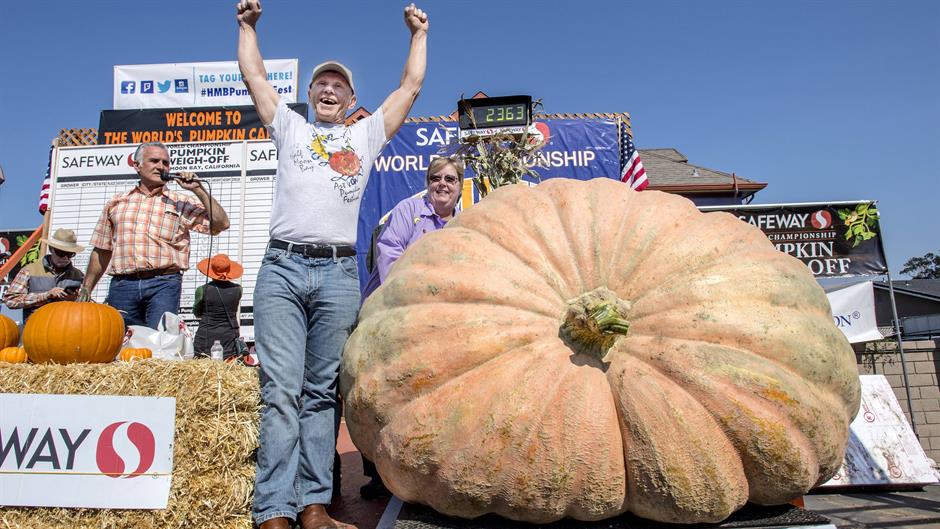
pixel 18 295
pixel 149 231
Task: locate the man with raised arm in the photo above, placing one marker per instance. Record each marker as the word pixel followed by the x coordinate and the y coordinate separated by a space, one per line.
pixel 307 293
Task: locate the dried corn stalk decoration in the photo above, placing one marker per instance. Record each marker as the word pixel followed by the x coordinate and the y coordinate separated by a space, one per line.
pixel 500 159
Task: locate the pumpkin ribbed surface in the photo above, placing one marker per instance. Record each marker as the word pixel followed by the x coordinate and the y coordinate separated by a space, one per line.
pixel 13 355
pixel 9 332
pixel 134 353
pixel 578 349
pixel 68 332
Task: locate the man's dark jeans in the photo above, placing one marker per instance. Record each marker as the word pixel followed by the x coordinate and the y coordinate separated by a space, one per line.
pixel 143 301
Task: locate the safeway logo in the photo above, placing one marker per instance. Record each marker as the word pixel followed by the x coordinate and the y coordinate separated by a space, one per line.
pixel 124 445
pixel 84 451
pixel 821 220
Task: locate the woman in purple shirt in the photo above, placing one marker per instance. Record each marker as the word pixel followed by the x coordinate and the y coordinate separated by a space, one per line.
pixel 408 221
pixel 414 216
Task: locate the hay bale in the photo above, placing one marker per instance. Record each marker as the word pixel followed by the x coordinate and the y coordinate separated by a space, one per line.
pixel 217 407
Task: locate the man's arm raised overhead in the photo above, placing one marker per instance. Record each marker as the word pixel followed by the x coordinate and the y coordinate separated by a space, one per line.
pixel 398 104
pixel 250 62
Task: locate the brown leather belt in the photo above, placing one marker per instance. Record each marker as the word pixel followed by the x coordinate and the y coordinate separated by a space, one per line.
pixel 314 250
pixel 146 274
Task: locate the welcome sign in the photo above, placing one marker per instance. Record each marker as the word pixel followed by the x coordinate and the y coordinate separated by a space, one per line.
pixel 173 125
pixel 86 451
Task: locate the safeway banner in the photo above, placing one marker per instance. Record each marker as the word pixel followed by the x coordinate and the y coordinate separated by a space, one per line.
pixel 197 84
pixel 86 451
pixel 833 239
pixel 575 148
pixel 853 311
pixel 176 125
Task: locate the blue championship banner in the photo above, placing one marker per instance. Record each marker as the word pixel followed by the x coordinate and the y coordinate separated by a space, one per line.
pixel 575 148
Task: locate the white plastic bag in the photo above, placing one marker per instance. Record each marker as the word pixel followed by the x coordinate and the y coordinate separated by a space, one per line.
pixel 171 341
pixel 173 324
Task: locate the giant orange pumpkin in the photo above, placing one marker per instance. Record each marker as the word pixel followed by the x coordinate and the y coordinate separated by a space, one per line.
pixel 67 332
pixel 9 332
pixel 578 349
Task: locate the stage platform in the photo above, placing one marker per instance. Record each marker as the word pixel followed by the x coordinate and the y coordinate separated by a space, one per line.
pixel 751 516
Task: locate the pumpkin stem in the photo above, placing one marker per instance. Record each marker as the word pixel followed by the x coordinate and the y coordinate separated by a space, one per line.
pixel 594 321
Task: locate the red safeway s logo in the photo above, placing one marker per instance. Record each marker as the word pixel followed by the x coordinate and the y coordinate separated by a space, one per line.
pixel 539 133
pixel 821 220
pixel 111 463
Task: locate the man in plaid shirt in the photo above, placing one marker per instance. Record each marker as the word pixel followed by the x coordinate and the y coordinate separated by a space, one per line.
pixel 52 278
pixel 144 235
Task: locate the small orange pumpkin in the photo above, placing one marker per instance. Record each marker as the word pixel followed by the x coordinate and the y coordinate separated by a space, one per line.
pixel 131 353
pixel 67 332
pixel 9 332
pixel 14 355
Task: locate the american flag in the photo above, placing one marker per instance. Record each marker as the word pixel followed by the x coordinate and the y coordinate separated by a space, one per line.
pixel 46 184
pixel 631 168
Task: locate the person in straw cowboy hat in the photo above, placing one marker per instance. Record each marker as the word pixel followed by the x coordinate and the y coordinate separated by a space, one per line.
pixel 52 278
pixel 216 305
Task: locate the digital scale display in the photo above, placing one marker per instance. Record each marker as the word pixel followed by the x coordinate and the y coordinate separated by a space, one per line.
pixel 492 116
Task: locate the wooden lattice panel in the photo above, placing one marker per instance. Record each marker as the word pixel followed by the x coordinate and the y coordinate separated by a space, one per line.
pixel 78 137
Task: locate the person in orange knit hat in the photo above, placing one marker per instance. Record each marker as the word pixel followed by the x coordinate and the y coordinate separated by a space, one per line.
pixel 216 306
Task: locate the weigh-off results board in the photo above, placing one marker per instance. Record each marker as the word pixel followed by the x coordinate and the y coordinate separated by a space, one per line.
pixel 241 176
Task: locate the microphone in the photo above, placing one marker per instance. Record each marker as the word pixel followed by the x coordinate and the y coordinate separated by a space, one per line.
pixel 166 176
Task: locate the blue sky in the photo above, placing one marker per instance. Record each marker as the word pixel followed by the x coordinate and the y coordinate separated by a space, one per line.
pixel 823 101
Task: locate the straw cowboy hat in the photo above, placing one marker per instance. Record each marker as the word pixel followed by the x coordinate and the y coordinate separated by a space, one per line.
pixel 64 240
pixel 220 267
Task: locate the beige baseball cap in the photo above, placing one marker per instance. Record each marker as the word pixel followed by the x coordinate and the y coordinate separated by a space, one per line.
pixel 333 66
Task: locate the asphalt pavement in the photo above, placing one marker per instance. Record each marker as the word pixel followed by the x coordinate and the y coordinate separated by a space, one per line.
pixel 915 509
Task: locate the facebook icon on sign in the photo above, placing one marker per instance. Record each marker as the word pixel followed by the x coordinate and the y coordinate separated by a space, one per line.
pixel 128 87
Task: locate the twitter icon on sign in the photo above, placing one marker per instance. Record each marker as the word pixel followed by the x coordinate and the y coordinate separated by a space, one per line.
pixel 164 87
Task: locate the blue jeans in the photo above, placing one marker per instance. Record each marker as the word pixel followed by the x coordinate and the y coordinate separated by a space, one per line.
pixel 304 310
pixel 143 301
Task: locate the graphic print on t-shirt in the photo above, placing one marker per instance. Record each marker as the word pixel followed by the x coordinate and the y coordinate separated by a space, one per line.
pixel 344 161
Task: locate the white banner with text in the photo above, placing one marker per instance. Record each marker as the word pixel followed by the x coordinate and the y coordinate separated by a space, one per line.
pixel 853 311
pixel 197 84
pixel 94 451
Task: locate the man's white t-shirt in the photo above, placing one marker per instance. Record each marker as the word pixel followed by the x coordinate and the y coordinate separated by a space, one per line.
pixel 322 171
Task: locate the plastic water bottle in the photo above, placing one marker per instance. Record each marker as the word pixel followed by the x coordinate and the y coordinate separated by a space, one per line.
pixel 215 352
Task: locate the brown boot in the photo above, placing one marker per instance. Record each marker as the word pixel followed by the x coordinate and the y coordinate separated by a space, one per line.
pixel 315 517
pixel 275 523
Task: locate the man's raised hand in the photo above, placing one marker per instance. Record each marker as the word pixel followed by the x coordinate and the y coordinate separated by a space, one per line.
pixel 248 12
pixel 189 181
pixel 415 19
